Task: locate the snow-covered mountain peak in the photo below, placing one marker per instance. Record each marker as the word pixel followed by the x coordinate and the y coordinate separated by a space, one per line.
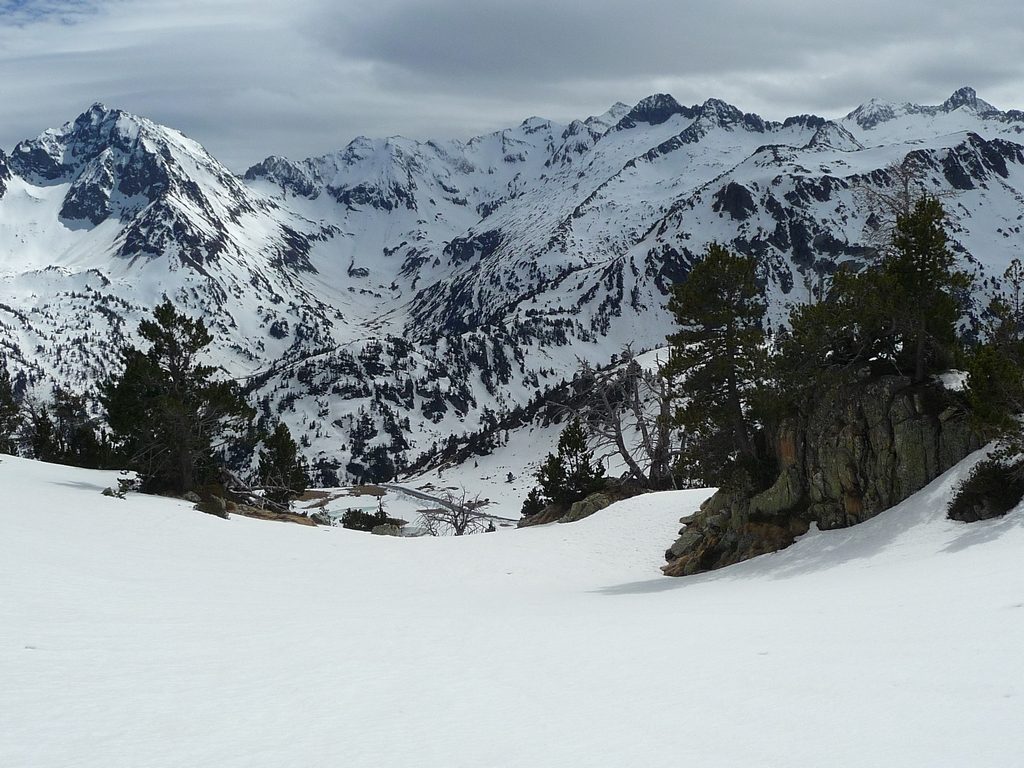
pixel 60 153
pixel 967 97
pixel 955 113
pixel 609 118
pixel 654 110
pixel 720 112
pixel 872 113
pixel 831 135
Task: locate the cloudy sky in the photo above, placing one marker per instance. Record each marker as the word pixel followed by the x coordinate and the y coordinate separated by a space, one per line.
pixel 249 78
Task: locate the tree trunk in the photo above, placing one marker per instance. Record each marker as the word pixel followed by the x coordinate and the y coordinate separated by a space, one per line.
pixel 739 423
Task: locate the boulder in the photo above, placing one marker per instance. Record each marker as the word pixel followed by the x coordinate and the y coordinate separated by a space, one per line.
pixel 595 502
pixel 386 529
pixel 215 505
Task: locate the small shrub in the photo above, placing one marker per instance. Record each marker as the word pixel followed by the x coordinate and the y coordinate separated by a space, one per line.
pixel 991 490
pixel 358 520
pixel 533 503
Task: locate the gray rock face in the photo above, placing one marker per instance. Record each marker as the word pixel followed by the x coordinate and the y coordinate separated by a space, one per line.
pixel 857 452
pixel 387 529
pixel 5 173
pixel 595 502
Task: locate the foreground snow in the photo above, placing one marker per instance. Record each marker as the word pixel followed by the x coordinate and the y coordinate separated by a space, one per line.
pixel 142 633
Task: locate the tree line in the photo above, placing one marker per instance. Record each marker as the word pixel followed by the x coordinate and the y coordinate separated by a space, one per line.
pixel 166 414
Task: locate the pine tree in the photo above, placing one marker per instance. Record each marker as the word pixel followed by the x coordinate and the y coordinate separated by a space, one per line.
pixel 282 470
pixel 167 410
pixel 79 442
pixel 922 269
pixel 718 356
pixel 42 435
pixel 567 476
pixel 10 412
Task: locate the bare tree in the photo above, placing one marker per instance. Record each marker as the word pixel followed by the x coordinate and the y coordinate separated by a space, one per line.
pixel 902 185
pixel 629 410
pixel 456 514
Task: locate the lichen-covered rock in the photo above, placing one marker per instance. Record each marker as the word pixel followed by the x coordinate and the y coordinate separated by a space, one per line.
pixel 552 513
pixel 595 502
pixel 856 452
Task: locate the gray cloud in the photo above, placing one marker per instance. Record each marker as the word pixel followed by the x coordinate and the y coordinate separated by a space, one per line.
pixel 253 77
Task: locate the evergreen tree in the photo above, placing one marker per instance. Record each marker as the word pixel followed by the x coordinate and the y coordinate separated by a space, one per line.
pixel 42 435
pixel 567 476
pixel 995 370
pixel 718 356
pixel 832 341
pixel 78 439
pixel 921 267
pixel 1014 304
pixel 282 470
pixel 167 410
pixel 10 412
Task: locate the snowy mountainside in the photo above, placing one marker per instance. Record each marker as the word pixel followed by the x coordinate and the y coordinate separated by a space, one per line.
pixel 388 295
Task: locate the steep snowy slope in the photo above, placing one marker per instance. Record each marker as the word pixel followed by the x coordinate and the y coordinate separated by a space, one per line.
pixel 385 296
pixel 105 216
pixel 140 632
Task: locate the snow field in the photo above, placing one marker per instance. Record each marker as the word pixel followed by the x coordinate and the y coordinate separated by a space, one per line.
pixel 139 632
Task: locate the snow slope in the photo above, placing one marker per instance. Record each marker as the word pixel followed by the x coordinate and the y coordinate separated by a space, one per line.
pixel 142 633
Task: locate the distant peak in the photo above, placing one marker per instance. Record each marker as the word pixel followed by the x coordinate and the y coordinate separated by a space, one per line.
pixel 653 110
pixel 94 114
pixel 872 112
pixel 967 97
pixel 720 111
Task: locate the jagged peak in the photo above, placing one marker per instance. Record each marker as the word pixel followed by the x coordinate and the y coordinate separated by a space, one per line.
pixel 876 111
pixel 654 110
pixel 805 121
pixel 967 97
pixel 834 136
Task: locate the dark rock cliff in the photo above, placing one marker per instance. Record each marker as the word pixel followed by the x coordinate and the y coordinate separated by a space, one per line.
pixel 856 452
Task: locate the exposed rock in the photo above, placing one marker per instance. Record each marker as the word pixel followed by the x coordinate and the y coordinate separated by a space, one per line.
pixel 856 452
pixel 595 502
pixel 191 496
pixel 614 490
pixel 734 199
pixel 387 529
pixel 215 505
pixel 552 513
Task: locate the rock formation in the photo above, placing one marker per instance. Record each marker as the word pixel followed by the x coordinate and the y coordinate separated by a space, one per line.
pixel 857 451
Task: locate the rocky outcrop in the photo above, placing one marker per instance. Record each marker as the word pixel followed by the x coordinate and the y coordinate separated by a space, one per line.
pixel 614 490
pixel 595 502
pixel 856 452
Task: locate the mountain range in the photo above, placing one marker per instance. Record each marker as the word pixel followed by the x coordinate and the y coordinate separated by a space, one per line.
pixel 394 293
